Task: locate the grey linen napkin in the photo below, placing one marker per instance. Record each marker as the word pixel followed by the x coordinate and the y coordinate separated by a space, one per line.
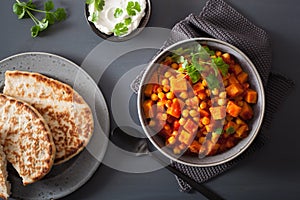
pixel 221 21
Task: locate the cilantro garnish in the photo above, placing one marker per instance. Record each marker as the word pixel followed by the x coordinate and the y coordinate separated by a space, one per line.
pixel 221 65
pixel 218 131
pixel 99 4
pixel 230 130
pixel 118 12
pixel 133 7
pixel 120 29
pixel 23 9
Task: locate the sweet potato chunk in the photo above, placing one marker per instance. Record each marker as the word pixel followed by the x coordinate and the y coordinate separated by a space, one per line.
pixel 234 90
pixel 198 87
pixel 148 109
pixel 242 77
pixel 185 137
pixel 148 90
pixel 178 84
pixel 246 112
pixel 236 68
pixel 251 96
pixel 233 109
pixel 190 126
pixel 174 109
pixel 218 112
pixel 241 132
pixel 195 147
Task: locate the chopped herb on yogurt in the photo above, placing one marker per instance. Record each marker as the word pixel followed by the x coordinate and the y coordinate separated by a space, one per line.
pixel 118 17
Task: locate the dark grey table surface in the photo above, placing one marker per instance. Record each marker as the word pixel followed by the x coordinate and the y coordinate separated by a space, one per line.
pixel 271 173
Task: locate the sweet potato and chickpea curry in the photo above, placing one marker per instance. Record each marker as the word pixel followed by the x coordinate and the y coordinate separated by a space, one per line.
pixel 200 102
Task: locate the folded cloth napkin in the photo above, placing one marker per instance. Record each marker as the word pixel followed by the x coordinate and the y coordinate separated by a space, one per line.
pixel 219 20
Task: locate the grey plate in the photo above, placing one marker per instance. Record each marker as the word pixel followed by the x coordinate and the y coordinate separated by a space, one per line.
pixel 65 178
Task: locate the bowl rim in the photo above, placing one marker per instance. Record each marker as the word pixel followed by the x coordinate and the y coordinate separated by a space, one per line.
pixel 253 132
pixel 143 23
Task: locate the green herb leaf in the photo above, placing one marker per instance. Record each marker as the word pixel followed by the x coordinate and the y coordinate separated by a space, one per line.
pixel 209 51
pixel 50 18
pixel 133 7
pixel 120 29
pixel 221 65
pixel 49 5
pixel 19 10
pixel 128 21
pixel 195 62
pixel 193 73
pixel 23 9
pixel 95 16
pixel 99 4
pixel 35 30
pixel 89 1
pixel 60 14
pixel 218 131
pixel 118 12
pixel 212 81
pixel 230 130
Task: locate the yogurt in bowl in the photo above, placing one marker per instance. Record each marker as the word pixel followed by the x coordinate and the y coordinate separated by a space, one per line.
pixel 116 17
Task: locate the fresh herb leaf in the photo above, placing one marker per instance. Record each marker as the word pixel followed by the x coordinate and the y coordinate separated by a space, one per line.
pixel 193 73
pixel 99 4
pixel 60 14
pixel 195 62
pixel 128 21
pixel 19 10
pixel 95 16
pixel 218 131
pixel 221 65
pixel 50 18
pixel 212 81
pixel 118 12
pixel 35 30
pixel 49 5
pixel 133 7
pixel 230 130
pixel 120 29
pixel 27 8
pixel 89 1
pixel 209 51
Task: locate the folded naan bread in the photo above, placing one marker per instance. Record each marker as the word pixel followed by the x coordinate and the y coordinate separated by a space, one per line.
pixel 69 117
pixel 4 184
pixel 26 139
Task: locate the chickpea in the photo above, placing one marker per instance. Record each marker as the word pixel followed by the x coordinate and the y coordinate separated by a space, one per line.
pixel 218 53
pixel 215 91
pixel 161 95
pixel 196 119
pixel 164 117
pixel 154 97
pixel 182 146
pixel 167 127
pixel 176 150
pixel 170 95
pixel 222 95
pixel 171 140
pixel 152 123
pixel 159 90
pixel 185 113
pixel 174 65
pixel 203 105
pixel 168 74
pixel 207 91
pixel 205 120
pixel 166 88
pixel 202 96
pixel 168 103
pixel 193 113
pixel 183 95
pixel 165 82
pixel 182 121
pixel 221 102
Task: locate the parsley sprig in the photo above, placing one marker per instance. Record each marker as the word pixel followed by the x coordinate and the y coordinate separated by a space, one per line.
pixel 198 57
pixel 24 9
pixel 98 5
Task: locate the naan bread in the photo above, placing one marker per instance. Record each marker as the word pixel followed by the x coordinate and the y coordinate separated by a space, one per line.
pixel 67 114
pixel 26 139
pixel 4 184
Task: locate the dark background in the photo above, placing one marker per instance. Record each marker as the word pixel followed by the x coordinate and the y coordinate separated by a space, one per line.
pixel 271 173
